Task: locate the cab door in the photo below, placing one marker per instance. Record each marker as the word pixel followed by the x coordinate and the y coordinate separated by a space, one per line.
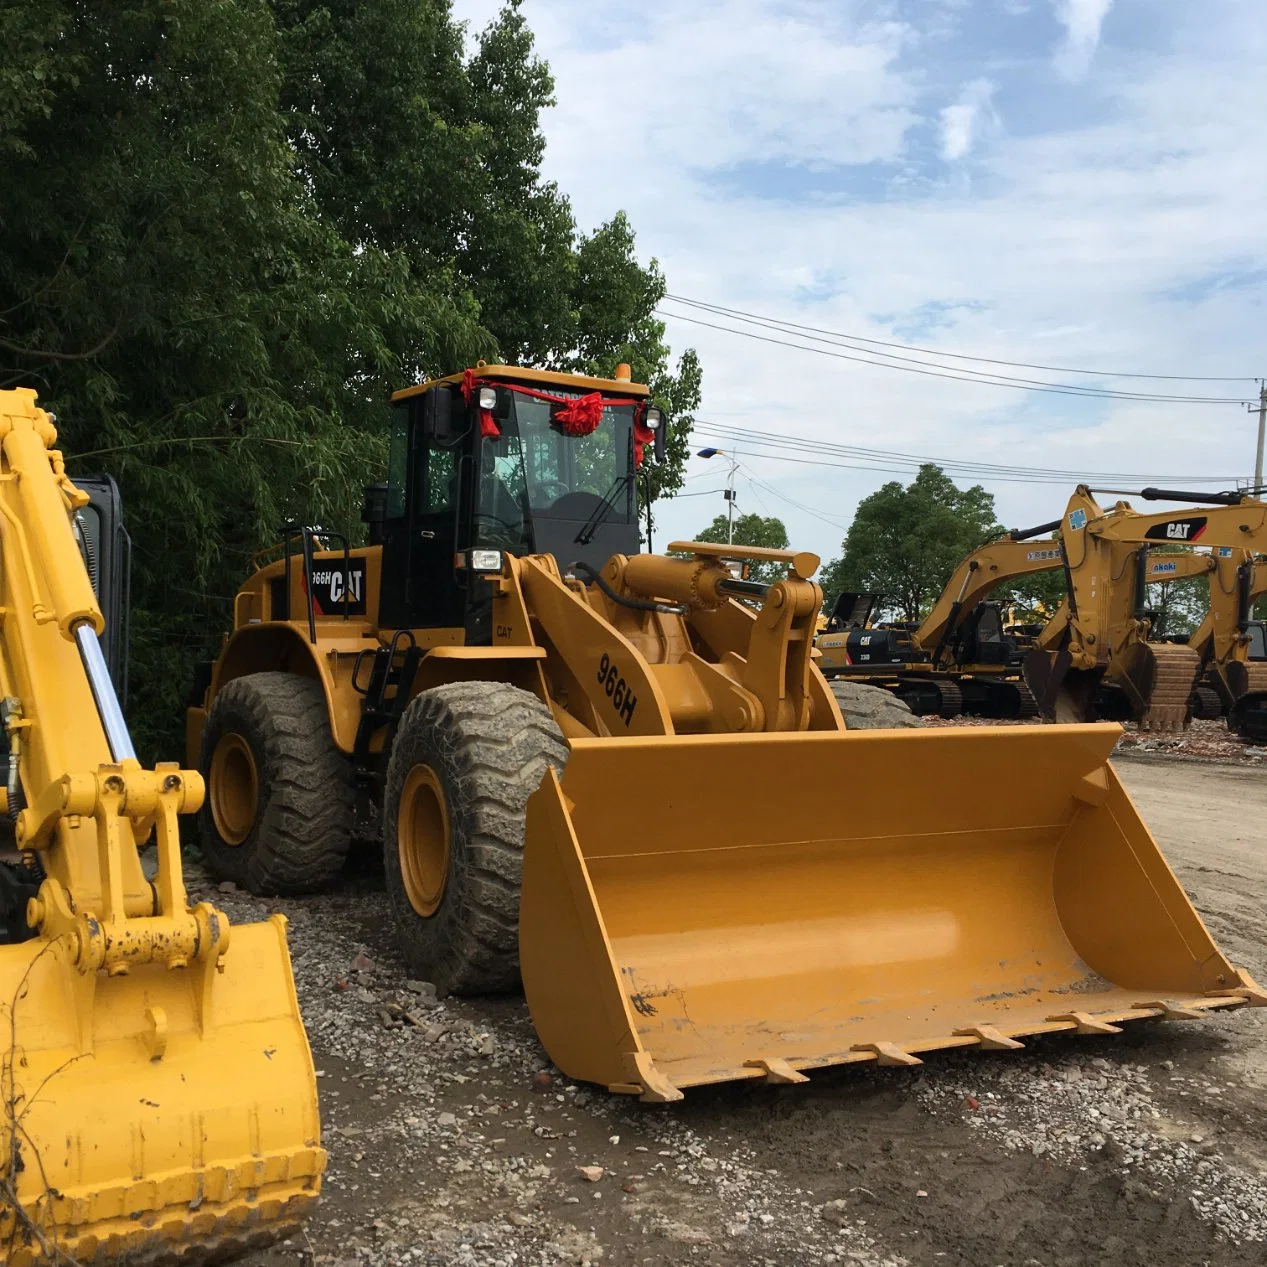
pixel 427 467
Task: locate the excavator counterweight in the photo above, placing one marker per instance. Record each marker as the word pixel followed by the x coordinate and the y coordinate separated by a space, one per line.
pixel 157 1094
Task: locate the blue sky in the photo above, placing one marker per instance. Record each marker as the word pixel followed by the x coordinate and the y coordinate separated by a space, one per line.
pixel 1070 182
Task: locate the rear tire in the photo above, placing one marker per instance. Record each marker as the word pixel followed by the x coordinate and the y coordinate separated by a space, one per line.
pixel 278 813
pixel 871 707
pixel 467 757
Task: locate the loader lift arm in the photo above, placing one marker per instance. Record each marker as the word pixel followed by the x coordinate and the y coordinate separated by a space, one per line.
pixel 115 991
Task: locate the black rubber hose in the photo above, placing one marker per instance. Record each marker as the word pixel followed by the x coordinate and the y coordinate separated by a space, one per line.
pixel 635 604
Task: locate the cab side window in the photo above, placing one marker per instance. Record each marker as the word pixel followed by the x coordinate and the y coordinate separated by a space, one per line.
pixel 397 464
pixel 439 479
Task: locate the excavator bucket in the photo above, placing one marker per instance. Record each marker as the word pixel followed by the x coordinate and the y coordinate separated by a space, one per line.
pixel 155 1112
pixel 707 908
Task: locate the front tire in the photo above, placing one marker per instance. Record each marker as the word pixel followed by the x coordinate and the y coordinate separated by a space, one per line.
pixel 278 813
pixel 467 757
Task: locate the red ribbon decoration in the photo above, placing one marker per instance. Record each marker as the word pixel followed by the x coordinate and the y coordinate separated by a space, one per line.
pixel 489 429
pixel 578 416
pixel 642 434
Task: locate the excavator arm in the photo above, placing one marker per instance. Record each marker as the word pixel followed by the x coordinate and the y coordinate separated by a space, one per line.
pixel 129 1029
pixel 982 571
pixel 1101 633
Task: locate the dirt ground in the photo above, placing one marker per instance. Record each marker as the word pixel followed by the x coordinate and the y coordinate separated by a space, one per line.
pixel 447 1146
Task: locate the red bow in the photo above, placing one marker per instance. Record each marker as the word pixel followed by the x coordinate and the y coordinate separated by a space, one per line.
pixel 489 429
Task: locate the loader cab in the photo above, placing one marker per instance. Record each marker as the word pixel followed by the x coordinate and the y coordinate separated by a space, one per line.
pixel 481 469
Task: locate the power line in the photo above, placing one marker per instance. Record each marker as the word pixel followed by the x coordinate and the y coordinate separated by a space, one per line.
pixel 959 356
pixel 1018 478
pixel 771 440
pixel 995 380
pixel 809 510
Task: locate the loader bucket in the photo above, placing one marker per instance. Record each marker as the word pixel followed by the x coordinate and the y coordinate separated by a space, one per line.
pixel 154 1113
pixel 704 908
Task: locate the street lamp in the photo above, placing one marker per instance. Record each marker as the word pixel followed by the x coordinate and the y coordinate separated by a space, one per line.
pixel 729 490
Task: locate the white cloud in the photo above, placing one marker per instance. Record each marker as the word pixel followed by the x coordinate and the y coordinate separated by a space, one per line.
pixel 1082 20
pixel 1068 238
pixel 963 122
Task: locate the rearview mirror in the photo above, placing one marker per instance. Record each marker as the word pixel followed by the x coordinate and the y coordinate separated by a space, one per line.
pixel 438 421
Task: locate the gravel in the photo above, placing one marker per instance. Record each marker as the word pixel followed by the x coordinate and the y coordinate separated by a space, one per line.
pixel 453 1141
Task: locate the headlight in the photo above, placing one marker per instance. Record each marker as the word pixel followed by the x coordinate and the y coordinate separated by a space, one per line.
pixel 485 560
pixel 653 419
pixel 488 398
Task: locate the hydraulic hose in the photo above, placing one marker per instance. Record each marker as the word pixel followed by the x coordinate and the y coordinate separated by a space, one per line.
pixel 635 604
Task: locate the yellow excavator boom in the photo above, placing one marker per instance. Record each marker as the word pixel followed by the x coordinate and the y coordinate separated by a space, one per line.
pixel 157 1093
pixel 1101 633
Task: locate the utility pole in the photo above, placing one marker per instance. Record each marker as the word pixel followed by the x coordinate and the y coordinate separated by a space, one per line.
pixel 730 497
pixel 1262 427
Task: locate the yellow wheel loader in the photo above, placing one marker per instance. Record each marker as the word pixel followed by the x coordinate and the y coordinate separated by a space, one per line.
pixel 157 1095
pixel 959 659
pixel 1094 658
pixel 621 779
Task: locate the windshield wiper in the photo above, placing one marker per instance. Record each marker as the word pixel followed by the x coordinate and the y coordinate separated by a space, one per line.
pixel 602 510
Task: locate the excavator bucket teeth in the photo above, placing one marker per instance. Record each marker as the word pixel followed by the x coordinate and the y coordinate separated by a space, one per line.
pixel 706 908
pixel 157 1113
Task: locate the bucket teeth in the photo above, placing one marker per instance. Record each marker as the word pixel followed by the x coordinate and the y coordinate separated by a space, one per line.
pixel 889 1054
pixel 1086 1023
pixel 1249 990
pixel 1172 1011
pixel 990 1038
pixel 776 1070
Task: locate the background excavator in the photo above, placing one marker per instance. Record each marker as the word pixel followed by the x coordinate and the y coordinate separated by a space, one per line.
pixel 157 1095
pixel 1095 657
pixel 622 778
pixel 1232 645
pixel 960 657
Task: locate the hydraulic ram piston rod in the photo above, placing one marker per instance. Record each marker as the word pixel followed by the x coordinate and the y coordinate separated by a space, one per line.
pixel 103 692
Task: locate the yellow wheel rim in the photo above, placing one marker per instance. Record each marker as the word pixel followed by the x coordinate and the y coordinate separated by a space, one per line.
pixel 234 788
pixel 422 840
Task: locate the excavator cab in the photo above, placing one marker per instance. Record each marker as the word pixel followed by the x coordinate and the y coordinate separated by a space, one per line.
pixel 980 639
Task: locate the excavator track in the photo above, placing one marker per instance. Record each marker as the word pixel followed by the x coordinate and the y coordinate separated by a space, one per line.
pixel 1027 705
pixel 951 698
pixel 1174 673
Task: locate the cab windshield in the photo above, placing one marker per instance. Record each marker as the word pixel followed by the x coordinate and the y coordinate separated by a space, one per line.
pixel 535 472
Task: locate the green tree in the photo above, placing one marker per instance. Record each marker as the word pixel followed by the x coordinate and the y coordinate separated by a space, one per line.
pixel 233 226
pixel 1034 598
pixel 410 149
pixel 904 542
pixel 752 530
